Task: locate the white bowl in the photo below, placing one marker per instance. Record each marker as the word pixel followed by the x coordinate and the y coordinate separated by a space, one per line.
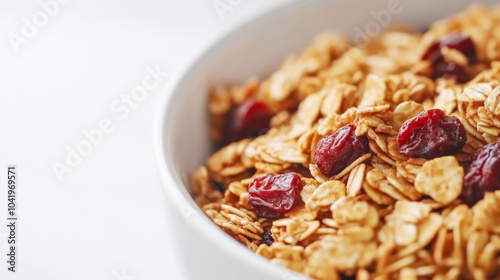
pixel 257 48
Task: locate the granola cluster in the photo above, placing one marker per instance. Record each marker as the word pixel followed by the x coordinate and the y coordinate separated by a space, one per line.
pixel 386 215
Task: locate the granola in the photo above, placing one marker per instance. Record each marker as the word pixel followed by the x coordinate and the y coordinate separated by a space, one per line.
pixel 386 213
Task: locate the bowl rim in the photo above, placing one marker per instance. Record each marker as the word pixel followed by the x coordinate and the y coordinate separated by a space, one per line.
pixel 173 186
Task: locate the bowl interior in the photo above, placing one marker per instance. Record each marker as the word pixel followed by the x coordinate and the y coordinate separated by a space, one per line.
pixel 256 49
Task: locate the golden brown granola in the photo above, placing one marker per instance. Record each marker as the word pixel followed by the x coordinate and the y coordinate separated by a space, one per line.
pixel 385 216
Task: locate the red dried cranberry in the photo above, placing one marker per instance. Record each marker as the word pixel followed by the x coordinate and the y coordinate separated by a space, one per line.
pixel 248 120
pixel 457 41
pixel 273 196
pixel 483 175
pixel 267 237
pixel 218 186
pixel 449 70
pixel 431 134
pixel 433 53
pixel 335 152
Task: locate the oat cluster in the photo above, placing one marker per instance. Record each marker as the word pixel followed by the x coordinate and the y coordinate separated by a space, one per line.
pixel 386 215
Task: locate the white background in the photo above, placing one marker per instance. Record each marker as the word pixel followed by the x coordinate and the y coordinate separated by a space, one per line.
pixel 107 219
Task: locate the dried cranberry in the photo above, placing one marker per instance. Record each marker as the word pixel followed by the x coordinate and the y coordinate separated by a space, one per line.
pixel 218 186
pixel 433 53
pixel 457 41
pixel 335 152
pixel 248 120
pixel 267 237
pixel 272 196
pixel 483 175
pixel 449 70
pixel 431 134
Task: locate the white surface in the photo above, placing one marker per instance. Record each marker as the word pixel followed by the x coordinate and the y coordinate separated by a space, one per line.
pixel 107 219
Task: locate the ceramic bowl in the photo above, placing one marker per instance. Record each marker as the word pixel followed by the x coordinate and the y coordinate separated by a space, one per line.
pixel 253 49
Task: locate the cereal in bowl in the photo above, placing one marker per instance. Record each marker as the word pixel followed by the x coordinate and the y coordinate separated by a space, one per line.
pixel 376 161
